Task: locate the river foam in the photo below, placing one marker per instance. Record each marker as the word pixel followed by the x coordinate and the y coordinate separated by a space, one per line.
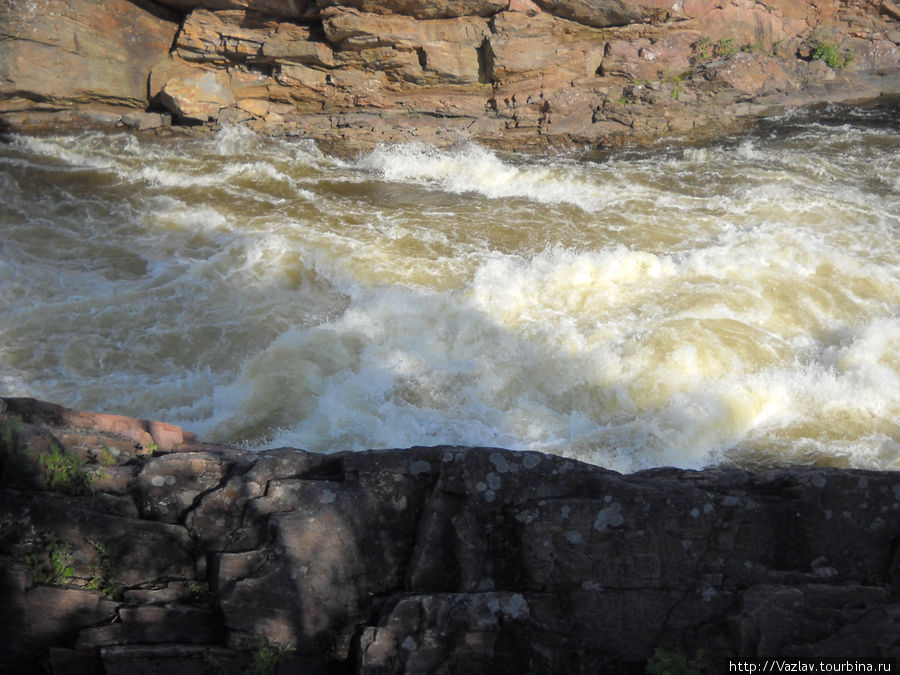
pixel 737 303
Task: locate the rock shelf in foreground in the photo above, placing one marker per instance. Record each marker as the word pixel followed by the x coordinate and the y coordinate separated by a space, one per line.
pixel 163 554
pixel 512 74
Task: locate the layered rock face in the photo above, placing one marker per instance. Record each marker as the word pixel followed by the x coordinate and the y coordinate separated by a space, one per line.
pixel 153 552
pixel 517 74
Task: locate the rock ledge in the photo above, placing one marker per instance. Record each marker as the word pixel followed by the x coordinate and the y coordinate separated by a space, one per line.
pixel 511 74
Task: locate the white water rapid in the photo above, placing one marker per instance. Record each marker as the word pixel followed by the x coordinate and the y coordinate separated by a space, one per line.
pixel 737 303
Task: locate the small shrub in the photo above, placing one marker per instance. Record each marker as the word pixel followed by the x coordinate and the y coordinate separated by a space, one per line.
pixel 266 657
pixel 703 50
pixel 102 574
pixel 831 53
pixel 725 47
pixel 63 472
pixel 54 564
pixel 107 458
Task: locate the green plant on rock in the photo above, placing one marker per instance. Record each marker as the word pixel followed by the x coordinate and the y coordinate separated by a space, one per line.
pixel 105 457
pixel 53 565
pixel 64 472
pixel 266 657
pixel 199 593
pixel 102 573
pixel 830 52
pixel 702 50
pixel 725 47
pixel 665 662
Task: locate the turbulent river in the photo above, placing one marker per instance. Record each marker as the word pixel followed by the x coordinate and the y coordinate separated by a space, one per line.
pixel 737 303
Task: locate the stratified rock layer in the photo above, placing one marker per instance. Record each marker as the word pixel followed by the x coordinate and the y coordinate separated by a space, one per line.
pixel 425 560
pixel 526 75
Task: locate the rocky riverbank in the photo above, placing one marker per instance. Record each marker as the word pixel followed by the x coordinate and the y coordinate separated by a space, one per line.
pixel 514 74
pixel 128 545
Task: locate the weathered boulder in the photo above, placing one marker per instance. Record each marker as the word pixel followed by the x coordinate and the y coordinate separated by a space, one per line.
pixel 426 559
pixel 199 95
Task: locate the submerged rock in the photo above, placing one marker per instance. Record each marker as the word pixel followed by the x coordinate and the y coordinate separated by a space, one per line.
pixel 424 559
pixel 513 74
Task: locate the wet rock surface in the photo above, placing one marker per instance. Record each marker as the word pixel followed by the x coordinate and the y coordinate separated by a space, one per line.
pixel 423 560
pixel 511 74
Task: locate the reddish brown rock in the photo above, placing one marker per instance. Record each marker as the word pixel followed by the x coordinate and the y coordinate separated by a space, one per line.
pixel 140 433
pixel 220 37
pixel 517 49
pixel 62 53
pixel 754 74
pixel 198 96
pixel 650 59
pixel 296 44
pixel 521 75
pixel 747 23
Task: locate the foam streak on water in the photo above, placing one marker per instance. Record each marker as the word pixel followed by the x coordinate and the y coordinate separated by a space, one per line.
pixel 737 303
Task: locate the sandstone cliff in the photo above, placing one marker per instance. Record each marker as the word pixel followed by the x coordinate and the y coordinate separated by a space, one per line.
pixel 127 545
pixel 519 74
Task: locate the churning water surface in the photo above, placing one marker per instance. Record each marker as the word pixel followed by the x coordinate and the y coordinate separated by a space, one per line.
pixel 735 303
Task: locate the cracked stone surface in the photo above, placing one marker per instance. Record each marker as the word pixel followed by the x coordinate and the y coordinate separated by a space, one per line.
pixel 432 560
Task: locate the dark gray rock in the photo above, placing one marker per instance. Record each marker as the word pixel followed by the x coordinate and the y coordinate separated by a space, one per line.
pixel 440 560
